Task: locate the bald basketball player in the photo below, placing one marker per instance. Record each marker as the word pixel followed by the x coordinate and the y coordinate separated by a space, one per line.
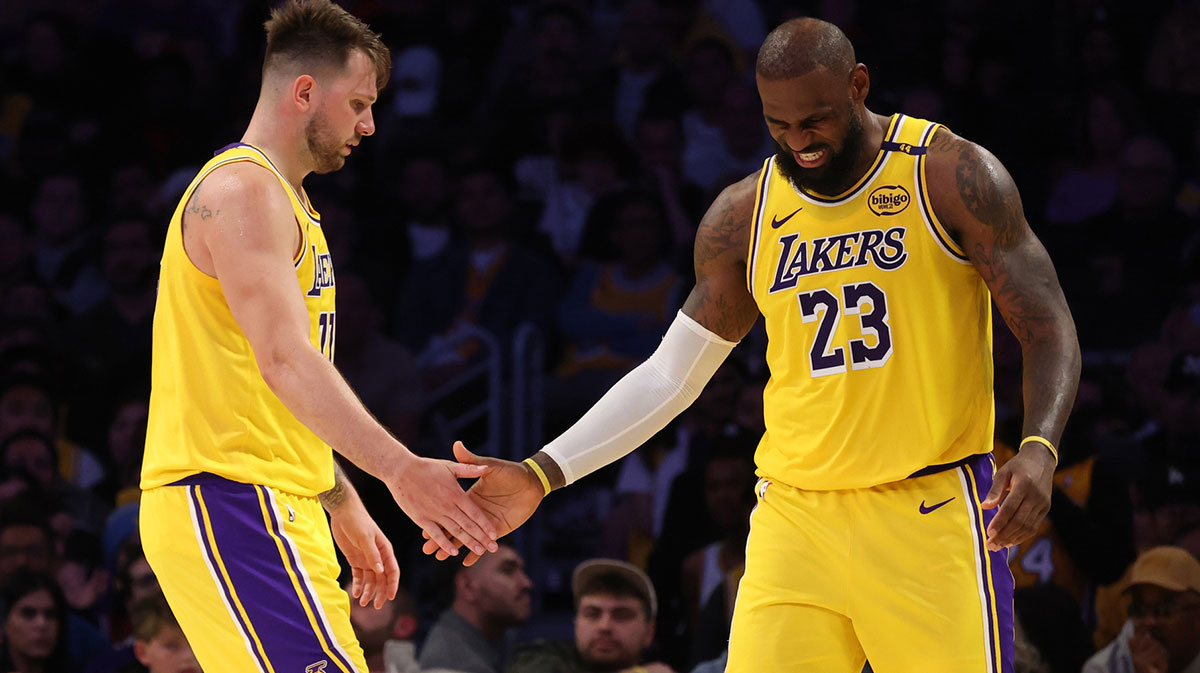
pixel 874 247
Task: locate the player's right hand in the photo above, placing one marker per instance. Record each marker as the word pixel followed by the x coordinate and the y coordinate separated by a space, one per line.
pixel 509 494
pixel 427 491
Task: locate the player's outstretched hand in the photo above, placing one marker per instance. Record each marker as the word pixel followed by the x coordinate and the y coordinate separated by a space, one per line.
pixel 428 492
pixel 509 493
pixel 1021 488
pixel 373 568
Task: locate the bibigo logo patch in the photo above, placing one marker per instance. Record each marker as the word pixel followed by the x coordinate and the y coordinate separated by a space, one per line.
pixel 888 200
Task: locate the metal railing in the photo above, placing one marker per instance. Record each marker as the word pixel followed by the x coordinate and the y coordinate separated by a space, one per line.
pixel 448 424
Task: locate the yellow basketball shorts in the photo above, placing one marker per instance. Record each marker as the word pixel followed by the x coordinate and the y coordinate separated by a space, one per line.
pixel 251 575
pixel 897 574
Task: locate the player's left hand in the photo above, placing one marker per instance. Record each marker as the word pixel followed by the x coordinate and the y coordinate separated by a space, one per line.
pixel 1021 488
pixel 375 575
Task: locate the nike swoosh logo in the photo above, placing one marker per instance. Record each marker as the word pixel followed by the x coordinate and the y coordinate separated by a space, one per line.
pixel 926 510
pixel 777 223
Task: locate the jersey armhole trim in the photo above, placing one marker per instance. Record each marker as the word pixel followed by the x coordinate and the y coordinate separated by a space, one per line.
pixel 943 239
pixel 760 205
pixel 297 257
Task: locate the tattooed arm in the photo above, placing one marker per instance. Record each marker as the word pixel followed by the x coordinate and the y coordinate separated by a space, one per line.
pixel 342 491
pixel 720 301
pixel 374 572
pixel 977 200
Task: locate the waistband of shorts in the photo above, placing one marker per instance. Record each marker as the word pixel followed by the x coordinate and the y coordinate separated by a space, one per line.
pixel 206 479
pixel 943 467
pixel 219 483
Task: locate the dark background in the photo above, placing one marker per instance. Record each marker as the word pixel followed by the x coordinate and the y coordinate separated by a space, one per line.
pixel 544 164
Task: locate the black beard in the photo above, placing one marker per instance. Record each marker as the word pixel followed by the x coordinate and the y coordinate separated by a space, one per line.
pixel 833 178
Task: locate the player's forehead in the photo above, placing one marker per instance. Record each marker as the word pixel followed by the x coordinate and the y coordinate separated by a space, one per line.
pixel 358 77
pixel 816 91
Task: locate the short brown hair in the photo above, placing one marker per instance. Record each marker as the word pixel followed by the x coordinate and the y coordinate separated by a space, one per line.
pixel 316 34
pixel 149 616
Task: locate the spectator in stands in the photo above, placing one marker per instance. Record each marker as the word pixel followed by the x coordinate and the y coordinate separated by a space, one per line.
pixel 386 634
pixel 1163 631
pixel 486 281
pixel 112 341
pixel 659 145
pixel 126 442
pixel 159 643
pixel 27 402
pixel 615 608
pixel 490 598
pixel 34 625
pixel 710 575
pixel 64 257
pixel 609 315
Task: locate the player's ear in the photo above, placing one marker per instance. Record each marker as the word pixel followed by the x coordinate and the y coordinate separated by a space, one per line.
pixel 302 91
pixel 860 83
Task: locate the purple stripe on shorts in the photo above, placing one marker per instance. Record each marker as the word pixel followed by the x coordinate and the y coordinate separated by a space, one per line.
pixel 1000 588
pixel 259 576
pixel 277 528
pixel 255 650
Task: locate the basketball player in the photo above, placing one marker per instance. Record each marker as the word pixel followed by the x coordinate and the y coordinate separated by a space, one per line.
pixel 246 402
pixel 873 246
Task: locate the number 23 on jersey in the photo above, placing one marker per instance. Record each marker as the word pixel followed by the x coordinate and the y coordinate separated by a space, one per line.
pixel 868 302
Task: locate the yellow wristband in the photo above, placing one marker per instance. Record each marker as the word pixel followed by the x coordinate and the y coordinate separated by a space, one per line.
pixel 541 475
pixel 1045 442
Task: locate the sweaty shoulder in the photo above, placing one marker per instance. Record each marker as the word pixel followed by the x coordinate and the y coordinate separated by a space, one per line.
pixel 969 185
pixel 242 183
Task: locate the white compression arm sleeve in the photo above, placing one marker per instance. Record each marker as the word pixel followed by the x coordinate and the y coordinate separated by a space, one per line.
pixel 643 401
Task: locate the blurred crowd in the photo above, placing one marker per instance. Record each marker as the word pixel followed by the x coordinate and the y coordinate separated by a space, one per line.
pixel 545 163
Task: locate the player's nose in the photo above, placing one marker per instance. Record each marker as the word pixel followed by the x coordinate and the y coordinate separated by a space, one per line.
pixel 366 125
pixel 797 140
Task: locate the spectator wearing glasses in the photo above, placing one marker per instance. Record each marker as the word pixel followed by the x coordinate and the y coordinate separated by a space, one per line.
pixel 1162 634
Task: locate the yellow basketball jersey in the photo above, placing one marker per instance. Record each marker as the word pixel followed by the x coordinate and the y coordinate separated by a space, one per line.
pixel 879 328
pixel 210 409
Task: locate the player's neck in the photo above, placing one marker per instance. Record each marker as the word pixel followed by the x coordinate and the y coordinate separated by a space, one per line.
pixel 284 147
pixel 875 128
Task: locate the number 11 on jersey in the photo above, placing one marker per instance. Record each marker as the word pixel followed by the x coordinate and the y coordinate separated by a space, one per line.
pixel 325 333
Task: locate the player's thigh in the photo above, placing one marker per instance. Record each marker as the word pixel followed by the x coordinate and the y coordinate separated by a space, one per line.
pixel 175 550
pixel 930 596
pixel 789 614
pixel 267 560
pixel 792 638
pixel 318 563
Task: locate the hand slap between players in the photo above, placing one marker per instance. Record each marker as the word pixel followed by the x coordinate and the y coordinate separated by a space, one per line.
pixel 509 494
pixel 428 492
pixel 374 571
pixel 1022 488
